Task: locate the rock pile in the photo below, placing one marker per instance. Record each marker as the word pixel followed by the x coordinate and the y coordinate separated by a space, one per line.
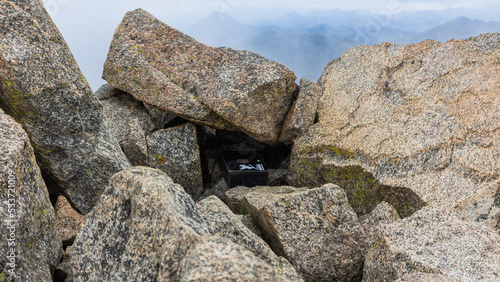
pixel 147 223
pixel 389 169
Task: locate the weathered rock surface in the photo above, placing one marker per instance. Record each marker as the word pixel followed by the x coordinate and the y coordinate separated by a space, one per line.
pixel 483 206
pixel 147 225
pixel 406 124
pixel 220 87
pixel 303 111
pixel 228 225
pixel 235 197
pixel 106 91
pixel 30 246
pixel 175 151
pixel 42 86
pixel 219 260
pixel 159 116
pixel 383 213
pixel 316 229
pixel 129 122
pixel 68 221
pixel 434 240
pixel 142 222
pixel 426 277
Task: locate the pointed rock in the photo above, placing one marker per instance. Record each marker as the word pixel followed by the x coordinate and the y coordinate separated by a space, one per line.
pixel 129 121
pixel 383 213
pixel 303 111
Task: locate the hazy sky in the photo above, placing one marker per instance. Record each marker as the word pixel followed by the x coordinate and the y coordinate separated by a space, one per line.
pixel 88 26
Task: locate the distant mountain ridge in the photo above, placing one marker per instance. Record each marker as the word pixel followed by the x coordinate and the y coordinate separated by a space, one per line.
pixel 307 43
pixel 459 28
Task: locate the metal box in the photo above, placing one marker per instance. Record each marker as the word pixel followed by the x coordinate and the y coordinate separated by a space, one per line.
pixel 245 168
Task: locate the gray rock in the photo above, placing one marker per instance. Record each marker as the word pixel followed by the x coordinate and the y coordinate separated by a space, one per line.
pixel 106 91
pixel 147 228
pixel 30 246
pixel 426 277
pixel 175 151
pixel 316 229
pixel 228 225
pixel 406 124
pixel 218 189
pixel 220 87
pixel 277 177
pixel 143 222
pixel 159 116
pixel 43 88
pixel 383 213
pixel 434 240
pixel 130 122
pixel 218 260
pixel 235 197
pixel 303 111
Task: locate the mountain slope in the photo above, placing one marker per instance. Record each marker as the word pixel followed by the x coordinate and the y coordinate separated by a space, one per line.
pixel 459 28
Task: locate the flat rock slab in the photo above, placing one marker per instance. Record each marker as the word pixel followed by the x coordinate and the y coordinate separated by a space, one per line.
pixel 42 86
pixel 406 124
pixel 316 229
pixel 30 245
pixel 434 240
pixel 220 87
pixel 176 152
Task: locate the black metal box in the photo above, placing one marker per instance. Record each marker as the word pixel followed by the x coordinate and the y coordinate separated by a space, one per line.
pixel 245 168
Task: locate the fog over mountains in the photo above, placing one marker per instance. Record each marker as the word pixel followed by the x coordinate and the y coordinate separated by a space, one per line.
pixel 307 43
pixel 304 42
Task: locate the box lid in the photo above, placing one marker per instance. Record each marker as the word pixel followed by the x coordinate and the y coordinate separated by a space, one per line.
pixel 243 161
